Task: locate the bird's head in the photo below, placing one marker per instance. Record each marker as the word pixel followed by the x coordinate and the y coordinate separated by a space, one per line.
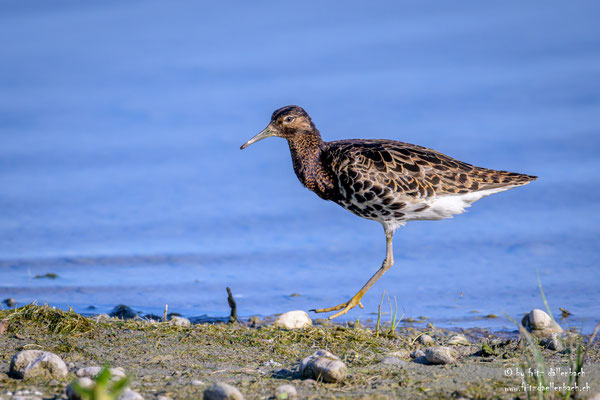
pixel 287 122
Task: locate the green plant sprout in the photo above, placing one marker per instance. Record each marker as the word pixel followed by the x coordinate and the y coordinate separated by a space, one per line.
pixel 103 388
pixel 394 320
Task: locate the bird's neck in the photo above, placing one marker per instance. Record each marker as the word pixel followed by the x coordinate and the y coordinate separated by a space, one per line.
pixel 307 155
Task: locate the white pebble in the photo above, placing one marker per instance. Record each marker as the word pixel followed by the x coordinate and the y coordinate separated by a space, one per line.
pixel 84 382
pixel 293 320
pixel 286 392
pixel 540 324
pixel 129 394
pixel 426 339
pixel 459 339
pixel 92 372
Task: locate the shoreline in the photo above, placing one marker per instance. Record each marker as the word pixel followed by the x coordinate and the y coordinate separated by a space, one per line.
pixel 164 359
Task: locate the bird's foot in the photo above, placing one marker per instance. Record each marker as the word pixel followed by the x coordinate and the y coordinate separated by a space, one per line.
pixel 344 307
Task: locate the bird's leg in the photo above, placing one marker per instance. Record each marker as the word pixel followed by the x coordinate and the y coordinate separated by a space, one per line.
pixel 355 300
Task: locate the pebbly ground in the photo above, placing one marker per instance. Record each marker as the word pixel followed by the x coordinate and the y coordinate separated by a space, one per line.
pixel 181 362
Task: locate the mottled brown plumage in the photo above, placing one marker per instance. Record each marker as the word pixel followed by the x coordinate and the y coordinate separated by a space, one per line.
pixel 395 182
pixel 384 180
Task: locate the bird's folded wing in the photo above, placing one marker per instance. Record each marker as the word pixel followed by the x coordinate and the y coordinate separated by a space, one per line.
pixel 387 167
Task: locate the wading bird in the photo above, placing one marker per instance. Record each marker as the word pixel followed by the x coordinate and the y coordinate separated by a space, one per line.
pixel 383 180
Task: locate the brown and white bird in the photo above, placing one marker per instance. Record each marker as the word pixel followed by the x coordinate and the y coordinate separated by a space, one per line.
pixel 383 180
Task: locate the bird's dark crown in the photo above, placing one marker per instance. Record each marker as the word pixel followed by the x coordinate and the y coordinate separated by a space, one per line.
pixel 288 111
pixel 290 121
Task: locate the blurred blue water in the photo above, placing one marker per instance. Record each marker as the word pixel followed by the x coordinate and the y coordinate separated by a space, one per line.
pixel 120 169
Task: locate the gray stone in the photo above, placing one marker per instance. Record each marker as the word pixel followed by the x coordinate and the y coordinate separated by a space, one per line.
pixel 197 382
pixel 26 394
pixel 441 355
pixel 272 363
pixel 554 342
pixel 222 391
pixel 323 322
pixel 101 318
pixel 459 339
pixel 180 321
pixel 37 363
pixel 10 302
pixel 255 320
pixel 129 394
pixel 395 361
pixel 163 398
pixel 402 354
pixel 293 320
pixel 426 339
pixel 122 311
pixel 417 353
pixel 322 365
pixel 286 392
pixel 3 326
pixel 540 324
pixel 92 372
pixel 84 382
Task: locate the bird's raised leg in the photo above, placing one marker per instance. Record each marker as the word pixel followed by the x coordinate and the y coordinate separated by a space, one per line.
pixel 355 300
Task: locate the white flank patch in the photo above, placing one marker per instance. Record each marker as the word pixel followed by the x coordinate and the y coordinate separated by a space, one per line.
pixel 449 205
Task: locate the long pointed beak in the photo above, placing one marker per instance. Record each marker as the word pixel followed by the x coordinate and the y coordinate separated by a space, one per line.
pixel 265 133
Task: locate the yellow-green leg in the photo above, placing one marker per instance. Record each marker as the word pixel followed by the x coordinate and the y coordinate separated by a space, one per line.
pixel 355 300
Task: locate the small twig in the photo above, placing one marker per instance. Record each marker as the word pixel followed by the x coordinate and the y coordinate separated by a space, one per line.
pixel 165 313
pixel 233 317
pixel 218 371
pixel 419 335
pixel 378 326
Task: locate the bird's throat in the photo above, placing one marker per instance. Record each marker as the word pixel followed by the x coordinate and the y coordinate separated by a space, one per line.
pixel 307 157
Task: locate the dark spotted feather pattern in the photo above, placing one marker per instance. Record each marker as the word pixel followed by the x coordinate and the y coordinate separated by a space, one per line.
pixel 385 179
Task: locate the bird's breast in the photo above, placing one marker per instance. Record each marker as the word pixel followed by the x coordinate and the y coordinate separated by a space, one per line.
pixel 316 178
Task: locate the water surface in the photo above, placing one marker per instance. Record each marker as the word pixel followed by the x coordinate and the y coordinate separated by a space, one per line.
pixel 120 168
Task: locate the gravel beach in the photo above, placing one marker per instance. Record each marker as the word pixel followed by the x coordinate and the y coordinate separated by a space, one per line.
pixel 180 361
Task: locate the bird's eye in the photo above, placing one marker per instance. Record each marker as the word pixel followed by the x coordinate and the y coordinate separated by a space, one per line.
pixel 289 119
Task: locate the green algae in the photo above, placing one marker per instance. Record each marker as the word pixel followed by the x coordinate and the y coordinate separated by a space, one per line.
pixel 47 318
